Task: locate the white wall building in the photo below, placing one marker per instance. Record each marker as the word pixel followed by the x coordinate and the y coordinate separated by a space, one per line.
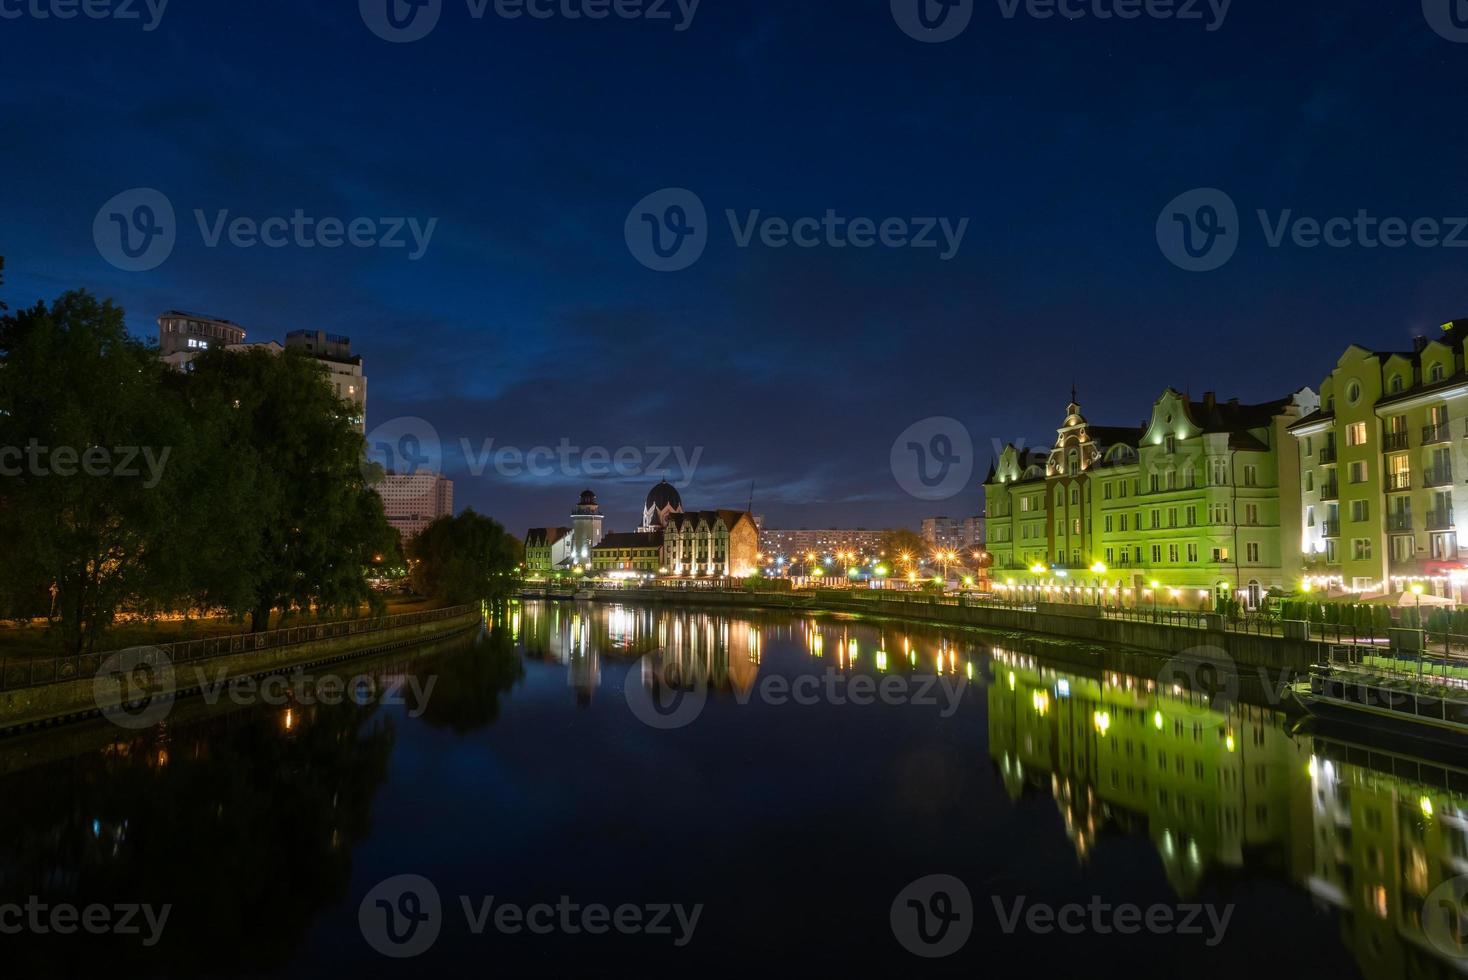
pixel 413 502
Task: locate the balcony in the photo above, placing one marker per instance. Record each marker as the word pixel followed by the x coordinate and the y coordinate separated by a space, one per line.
pixel 1434 433
pixel 1395 442
pixel 1327 454
pixel 1396 482
pixel 1399 522
pixel 1332 529
pixel 1440 520
pixel 1438 476
pixel 1330 491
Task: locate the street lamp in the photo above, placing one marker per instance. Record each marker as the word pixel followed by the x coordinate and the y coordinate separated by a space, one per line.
pixel 1099 570
pixel 1417 591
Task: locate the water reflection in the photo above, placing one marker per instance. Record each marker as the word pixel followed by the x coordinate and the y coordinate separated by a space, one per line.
pixel 249 820
pixel 1370 833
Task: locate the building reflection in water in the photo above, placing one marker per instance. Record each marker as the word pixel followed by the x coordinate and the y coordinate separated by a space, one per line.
pixel 1369 833
pixel 683 648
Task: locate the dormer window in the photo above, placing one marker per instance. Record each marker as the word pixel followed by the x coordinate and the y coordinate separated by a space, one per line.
pixel 1435 373
pixel 1395 384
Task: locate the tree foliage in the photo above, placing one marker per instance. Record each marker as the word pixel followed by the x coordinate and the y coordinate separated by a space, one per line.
pixel 901 541
pixel 465 559
pixel 312 522
pixel 93 459
pixel 126 485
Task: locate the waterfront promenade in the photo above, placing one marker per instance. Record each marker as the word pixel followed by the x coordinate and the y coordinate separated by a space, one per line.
pixel 1249 642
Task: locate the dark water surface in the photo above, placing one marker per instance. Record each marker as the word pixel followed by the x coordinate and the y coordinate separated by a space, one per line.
pixel 1034 775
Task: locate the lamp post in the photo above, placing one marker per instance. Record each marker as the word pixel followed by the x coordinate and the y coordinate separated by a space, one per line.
pixel 1098 569
pixel 1421 650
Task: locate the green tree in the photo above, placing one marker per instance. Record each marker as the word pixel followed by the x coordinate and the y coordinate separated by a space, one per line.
pixel 311 524
pixel 90 475
pixel 899 541
pixel 465 559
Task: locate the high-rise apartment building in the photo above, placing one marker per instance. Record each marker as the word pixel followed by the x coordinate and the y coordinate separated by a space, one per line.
pixel 414 501
pixel 793 545
pixel 183 336
pixel 345 368
pixel 952 534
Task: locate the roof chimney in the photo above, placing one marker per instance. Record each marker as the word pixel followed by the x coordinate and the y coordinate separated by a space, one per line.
pixel 1210 399
pixel 1419 343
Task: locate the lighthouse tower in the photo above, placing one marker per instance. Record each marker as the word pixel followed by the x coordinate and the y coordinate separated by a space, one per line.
pixel 585 528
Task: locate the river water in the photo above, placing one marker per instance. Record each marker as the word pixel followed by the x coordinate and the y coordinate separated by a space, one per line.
pixel 596 790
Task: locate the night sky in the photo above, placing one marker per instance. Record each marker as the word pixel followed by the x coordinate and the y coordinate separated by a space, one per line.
pixel 528 320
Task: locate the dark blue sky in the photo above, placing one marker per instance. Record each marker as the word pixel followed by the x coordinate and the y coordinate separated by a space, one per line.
pixel 528 320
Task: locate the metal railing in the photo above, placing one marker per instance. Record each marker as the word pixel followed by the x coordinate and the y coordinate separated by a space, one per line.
pixel 1330 491
pixel 16 673
pixel 1398 481
pixel 1394 441
pixel 1440 520
pixel 1327 454
pixel 1435 433
pixel 1439 476
pixel 1399 522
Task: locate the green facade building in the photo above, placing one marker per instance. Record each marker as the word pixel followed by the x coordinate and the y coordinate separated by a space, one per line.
pixel 1175 511
pixel 1383 478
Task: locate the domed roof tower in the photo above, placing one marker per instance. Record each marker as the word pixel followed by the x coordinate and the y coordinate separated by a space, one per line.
pixel 662 500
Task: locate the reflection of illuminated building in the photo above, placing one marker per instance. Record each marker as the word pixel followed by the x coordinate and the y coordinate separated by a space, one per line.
pixel 1387 831
pixel 1372 837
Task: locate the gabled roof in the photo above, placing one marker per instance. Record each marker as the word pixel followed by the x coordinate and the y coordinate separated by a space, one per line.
pixel 692 518
pixel 1110 435
pixel 1230 416
pixel 544 537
